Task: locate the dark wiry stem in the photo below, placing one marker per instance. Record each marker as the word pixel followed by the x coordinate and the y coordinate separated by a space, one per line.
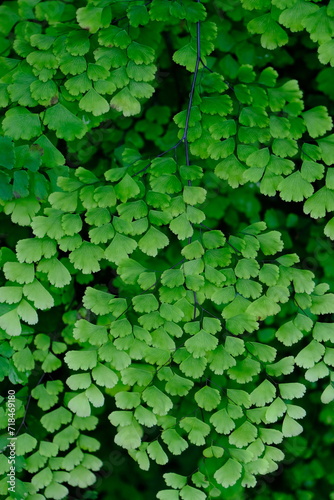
pixel 158 156
pixel 115 21
pixel 191 96
pixel 186 127
pixel 27 406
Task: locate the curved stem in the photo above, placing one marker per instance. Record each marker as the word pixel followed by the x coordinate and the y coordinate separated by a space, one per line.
pixel 192 90
pixel 186 127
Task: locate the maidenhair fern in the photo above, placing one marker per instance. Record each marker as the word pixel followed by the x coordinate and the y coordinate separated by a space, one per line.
pixel 139 291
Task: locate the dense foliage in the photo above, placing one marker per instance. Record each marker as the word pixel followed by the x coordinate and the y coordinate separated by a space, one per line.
pixel 165 297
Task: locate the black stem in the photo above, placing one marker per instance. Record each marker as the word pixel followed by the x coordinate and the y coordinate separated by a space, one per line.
pixel 191 95
pixel 186 127
pixel 27 406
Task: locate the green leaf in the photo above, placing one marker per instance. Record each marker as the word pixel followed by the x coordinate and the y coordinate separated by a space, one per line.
pixel 221 105
pixel 50 154
pixel 104 376
pixel 140 54
pixel 168 495
pixel 291 427
pixel 138 15
pixel 259 158
pixel 127 188
pixel 329 229
pixel 44 93
pixel 317 121
pixel 207 398
pixel 36 293
pixel 323 331
pixel 319 25
pixel 55 419
pixel 295 188
pixel 270 436
pixel 172 277
pixel 213 451
pixel 186 56
pixel 295 411
pixel 86 258
pixel 175 480
pixel 64 123
pixel 222 422
pixel 283 366
pixel 9 18
pixel 292 390
pixel 201 343
pixel 175 443
pixel 156 453
pixel 224 149
pixel 125 103
pixel 48 449
pixel 93 18
pixel 120 248
pixel 157 400
pixel 213 239
pixel 231 170
pixel 229 473
pixel 141 375
pixel 294 15
pixel 263 352
pixel 325 52
pixel 10 294
pixel 270 243
pixel 77 42
pixel 153 241
pixel 145 303
pixel 145 416
pixel 7 155
pixel 56 490
pixel 179 386
pixel 319 203
pixel 78 84
pixel 127 400
pixel 322 304
pixel 79 381
pixel 190 493
pixel 83 360
pixel 94 103
pixel 243 435
pixel 25 443
pixel 21 273
pixel 24 360
pixel 279 127
pixel 326 146
pixel 181 227
pixel 80 405
pixel 310 355
pixel 269 274
pixel 247 268
pixel 94 395
pixel 193 195
pixel 244 370
pixel 276 410
pixel 263 307
pixel 263 394
pixel 196 429
pixel 13 120
pixel 272 35
pixel 58 275
pixel 129 436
